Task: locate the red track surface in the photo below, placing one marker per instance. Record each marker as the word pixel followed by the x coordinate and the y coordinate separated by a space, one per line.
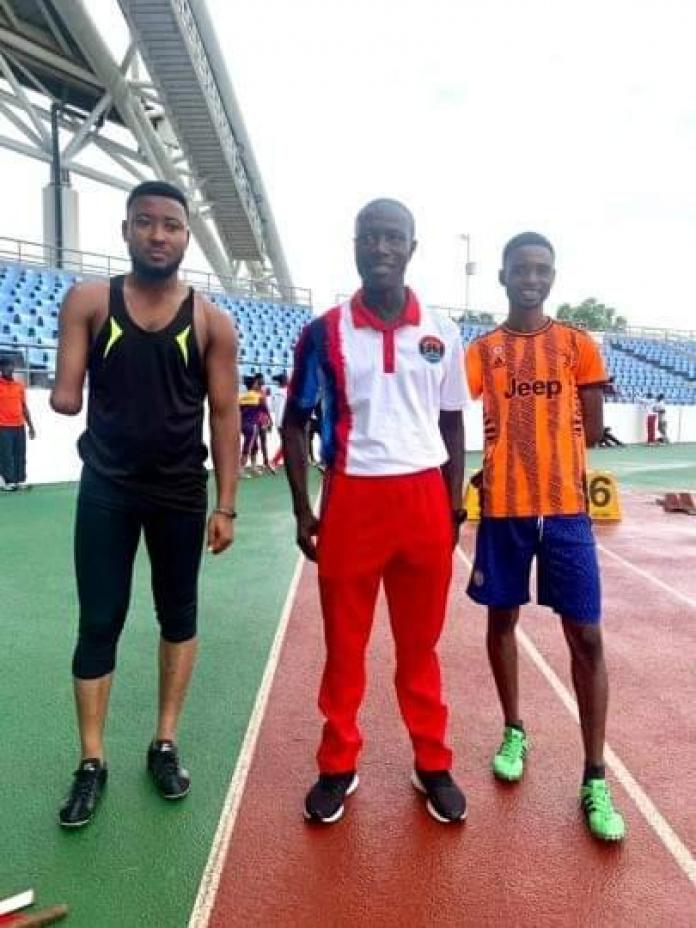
pixel 523 858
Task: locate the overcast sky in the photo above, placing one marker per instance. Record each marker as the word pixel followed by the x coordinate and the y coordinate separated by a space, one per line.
pixel 574 119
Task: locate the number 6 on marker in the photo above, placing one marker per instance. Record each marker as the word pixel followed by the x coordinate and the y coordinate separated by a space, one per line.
pixel 603 495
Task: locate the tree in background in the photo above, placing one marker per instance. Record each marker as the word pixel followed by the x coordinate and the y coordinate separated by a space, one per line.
pixel 592 315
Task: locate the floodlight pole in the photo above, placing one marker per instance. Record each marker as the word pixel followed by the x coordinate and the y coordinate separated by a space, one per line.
pixel 57 182
pixel 469 271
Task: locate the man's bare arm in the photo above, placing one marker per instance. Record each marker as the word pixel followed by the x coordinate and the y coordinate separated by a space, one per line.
pixel 74 336
pixel 294 437
pixel 223 392
pixel 452 431
pixel 592 404
pixel 27 419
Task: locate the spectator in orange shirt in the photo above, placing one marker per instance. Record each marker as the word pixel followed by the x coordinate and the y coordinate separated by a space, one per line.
pixel 14 415
pixel 542 384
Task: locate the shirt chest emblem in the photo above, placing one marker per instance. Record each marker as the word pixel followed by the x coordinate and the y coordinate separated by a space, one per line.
pixel 432 349
pixel 498 353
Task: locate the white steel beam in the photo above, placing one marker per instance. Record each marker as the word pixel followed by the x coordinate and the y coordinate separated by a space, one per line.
pixel 24 99
pixel 22 149
pixel 79 140
pixel 129 106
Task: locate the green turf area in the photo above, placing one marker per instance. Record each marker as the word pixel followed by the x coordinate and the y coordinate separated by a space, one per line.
pixel 658 467
pixel 140 861
pixel 655 467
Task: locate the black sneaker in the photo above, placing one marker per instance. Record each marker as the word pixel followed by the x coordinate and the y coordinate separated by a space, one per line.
pixel 325 800
pixel 88 784
pixel 446 802
pixel 170 778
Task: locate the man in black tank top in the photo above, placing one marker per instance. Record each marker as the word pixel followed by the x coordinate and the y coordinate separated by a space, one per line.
pixel 154 350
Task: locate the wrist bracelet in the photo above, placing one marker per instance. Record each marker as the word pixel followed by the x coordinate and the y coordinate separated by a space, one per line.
pixel 230 513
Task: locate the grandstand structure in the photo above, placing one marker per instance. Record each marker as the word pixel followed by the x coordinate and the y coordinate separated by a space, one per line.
pixel 166 110
pixel 641 362
pixel 642 365
pixel 31 295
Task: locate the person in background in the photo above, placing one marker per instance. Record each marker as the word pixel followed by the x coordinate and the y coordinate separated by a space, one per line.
pixel 14 417
pixel 646 405
pixel 265 427
pixel 609 440
pixel 278 400
pixel 252 407
pixel 660 411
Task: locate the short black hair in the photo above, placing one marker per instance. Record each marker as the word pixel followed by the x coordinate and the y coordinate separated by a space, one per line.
pixel 527 238
pixel 386 201
pixel 157 188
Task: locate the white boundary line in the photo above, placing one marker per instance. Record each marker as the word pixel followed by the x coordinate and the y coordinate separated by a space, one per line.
pixel 648 576
pixel 210 880
pixel 646 807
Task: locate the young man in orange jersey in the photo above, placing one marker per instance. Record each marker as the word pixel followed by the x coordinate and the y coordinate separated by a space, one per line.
pixel 542 385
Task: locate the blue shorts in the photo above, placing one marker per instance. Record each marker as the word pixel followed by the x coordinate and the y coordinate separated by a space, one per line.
pixel 567 567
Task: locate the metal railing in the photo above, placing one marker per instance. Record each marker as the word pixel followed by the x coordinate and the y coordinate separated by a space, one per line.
pixel 32 375
pixel 469 316
pixel 94 264
pixel 458 313
pixel 650 332
pixel 35 375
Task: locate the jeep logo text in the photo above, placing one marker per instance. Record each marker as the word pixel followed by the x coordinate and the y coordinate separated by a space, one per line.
pixel 547 388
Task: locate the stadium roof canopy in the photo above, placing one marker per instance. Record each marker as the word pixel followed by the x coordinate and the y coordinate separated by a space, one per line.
pixel 172 95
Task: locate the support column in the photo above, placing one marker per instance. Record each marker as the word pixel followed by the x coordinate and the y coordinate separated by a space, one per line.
pixel 60 206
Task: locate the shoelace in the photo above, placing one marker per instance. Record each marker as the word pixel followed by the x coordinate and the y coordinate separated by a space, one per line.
pixel 85 781
pixel 168 762
pixel 512 745
pixel 436 779
pixel 598 799
pixel 335 787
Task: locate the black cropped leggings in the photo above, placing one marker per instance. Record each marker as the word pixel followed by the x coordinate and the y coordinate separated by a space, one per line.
pixel 108 525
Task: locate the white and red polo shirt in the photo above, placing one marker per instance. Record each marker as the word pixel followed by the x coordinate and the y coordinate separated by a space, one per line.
pixel 382 386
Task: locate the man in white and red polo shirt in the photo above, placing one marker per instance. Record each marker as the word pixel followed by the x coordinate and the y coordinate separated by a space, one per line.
pixel 391 381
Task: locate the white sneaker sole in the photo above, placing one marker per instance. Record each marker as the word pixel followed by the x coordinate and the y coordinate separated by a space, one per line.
pixel 71 825
pixel 339 812
pixel 176 796
pixel 416 783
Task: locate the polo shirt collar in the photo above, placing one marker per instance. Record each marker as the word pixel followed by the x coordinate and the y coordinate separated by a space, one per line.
pixel 364 317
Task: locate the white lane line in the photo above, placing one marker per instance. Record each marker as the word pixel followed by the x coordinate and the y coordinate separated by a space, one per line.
pixel 210 880
pixel 648 576
pixel 645 805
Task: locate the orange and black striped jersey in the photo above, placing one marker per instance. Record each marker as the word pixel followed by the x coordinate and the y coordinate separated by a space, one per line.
pixel 534 441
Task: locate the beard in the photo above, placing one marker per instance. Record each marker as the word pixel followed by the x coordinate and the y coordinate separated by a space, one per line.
pixel 153 273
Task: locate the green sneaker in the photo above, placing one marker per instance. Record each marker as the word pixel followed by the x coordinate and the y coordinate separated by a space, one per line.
pixel 602 818
pixel 508 763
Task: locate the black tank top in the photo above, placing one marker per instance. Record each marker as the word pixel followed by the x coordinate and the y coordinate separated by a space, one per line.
pixel 146 404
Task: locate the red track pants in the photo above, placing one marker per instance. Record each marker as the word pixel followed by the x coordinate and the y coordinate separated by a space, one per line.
pixel 652 422
pixel 397 530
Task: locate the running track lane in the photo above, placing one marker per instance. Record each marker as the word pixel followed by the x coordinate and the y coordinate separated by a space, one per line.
pixel 523 858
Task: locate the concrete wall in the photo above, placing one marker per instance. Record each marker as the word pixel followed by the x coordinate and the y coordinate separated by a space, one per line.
pixel 52 457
